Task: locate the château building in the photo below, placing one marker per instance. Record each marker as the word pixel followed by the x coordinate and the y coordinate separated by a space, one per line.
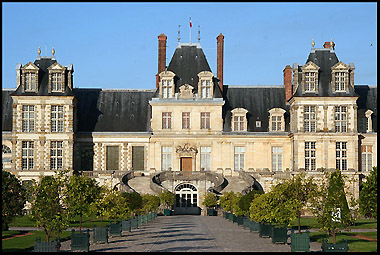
pixel 191 133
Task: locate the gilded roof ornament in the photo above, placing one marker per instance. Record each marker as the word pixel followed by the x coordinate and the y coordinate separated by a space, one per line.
pixel 39 51
pixel 53 51
pixel 313 43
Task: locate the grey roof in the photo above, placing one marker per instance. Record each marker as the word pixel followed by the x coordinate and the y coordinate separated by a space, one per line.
pixel 6 109
pixel 258 100
pixel 324 58
pixel 368 100
pixel 43 78
pixel 186 63
pixel 113 110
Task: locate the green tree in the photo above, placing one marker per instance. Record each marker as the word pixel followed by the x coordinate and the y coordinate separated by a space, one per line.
pixel 167 198
pixel 260 209
pixel 210 200
pixel 80 193
pixel 47 208
pixel 99 207
pixel 150 203
pixel 13 198
pixel 244 202
pixel 330 205
pixel 116 206
pixel 228 201
pixel 134 200
pixel 368 195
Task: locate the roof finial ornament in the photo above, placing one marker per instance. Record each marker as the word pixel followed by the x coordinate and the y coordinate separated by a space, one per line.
pixel 53 51
pixel 313 43
pixel 179 35
pixel 199 34
pixel 332 44
pixel 39 51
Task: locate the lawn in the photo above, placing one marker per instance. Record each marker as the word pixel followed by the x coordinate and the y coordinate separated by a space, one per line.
pixel 10 233
pixel 312 223
pixel 26 243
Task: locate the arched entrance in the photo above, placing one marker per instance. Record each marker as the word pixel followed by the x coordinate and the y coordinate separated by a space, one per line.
pixel 186 199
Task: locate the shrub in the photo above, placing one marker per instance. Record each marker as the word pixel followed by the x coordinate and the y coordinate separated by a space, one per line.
pixel 167 198
pixel 368 195
pixel 210 200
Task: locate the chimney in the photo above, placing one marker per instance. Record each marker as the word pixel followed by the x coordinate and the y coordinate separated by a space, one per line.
pixel 288 82
pixel 220 42
pixel 329 45
pixel 161 56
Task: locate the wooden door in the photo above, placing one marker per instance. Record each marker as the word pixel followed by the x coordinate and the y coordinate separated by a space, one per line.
pixel 186 165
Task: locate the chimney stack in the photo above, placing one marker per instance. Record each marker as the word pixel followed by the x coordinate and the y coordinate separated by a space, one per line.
pixel 329 45
pixel 161 56
pixel 220 42
pixel 288 82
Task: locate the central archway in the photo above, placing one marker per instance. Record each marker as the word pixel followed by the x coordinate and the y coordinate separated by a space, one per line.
pixel 186 199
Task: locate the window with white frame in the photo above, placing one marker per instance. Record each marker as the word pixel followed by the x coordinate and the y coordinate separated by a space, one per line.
pixel 185 120
pixel 310 156
pixel 310 81
pixel 27 155
pixel 276 119
pixel 276 123
pixel 167 88
pixel 341 155
pixel 340 81
pixel 276 158
pixel 340 119
pixel 30 81
pixel 366 157
pixel 239 123
pixel 206 158
pixel 166 158
pixel 309 119
pixel 205 88
pixel 56 82
pixel 205 84
pixel 239 158
pixel 56 155
pixel 166 120
pixel 205 120
pixel 28 118
pixel 239 119
pixel 57 117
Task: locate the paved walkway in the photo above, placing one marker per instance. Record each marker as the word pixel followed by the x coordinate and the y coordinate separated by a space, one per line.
pixel 189 233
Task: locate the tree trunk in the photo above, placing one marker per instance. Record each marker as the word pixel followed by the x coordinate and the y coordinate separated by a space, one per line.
pixel 80 223
pixel 334 236
pixel 47 237
pixel 299 222
pixel 101 221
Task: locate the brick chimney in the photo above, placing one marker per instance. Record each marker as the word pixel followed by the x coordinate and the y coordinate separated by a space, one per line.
pixel 288 82
pixel 161 56
pixel 220 42
pixel 329 45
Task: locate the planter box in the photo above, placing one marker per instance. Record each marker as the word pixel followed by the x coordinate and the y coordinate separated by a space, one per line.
pixel 253 226
pixel 167 212
pixel 239 220
pixel 230 216
pixel 279 235
pixel 338 247
pixel 265 230
pixel 134 223
pixel 100 234
pixel 51 246
pixel 211 212
pixel 144 219
pixel 80 241
pixel 224 215
pixel 246 222
pixel 139 220
pixel 115 229
pixel 126 225
pixel 300 242
pixel 234 218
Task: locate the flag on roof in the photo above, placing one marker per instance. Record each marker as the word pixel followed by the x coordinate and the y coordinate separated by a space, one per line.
pixel 190 23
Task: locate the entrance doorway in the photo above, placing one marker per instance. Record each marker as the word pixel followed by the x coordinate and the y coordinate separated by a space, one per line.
pixel 186 199
pixel 186 165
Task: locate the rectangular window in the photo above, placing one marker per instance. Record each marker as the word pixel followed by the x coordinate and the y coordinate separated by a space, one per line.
pixel 239 123
pixel 310 158
pixel 185 120
pixel 28 118
pixel 87 156
pixel 340 119
pixel 341 155
pixel 166 158
pixel 112 157
pixel 56 155
pixel 276 158
pixel 340 81
pixel 309 81
pixel 27 155
pixel 206 158
pixel 166 120
pixel 205 88
pixel 167 88
pixel 30 81
pixel 239 158
pixel 366 158
pixel 276 123
pixel 309 119
pixel 205 120
pixel 138 157
pixel 362 124
pixel 56 82
pixel 57 117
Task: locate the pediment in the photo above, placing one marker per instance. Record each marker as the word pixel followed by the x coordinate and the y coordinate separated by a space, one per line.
pixel 340 66
pixel 239 111
pixel 30 66
pixel 166 73
pixel 55 67
pixel 207 74
pixel 310 66
pixel 186 91
pixel 276 110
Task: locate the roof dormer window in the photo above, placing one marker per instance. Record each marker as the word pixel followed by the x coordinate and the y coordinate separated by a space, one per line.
pixel 29 77
pixel 30 81
pixel 56 82
pixel 340 77
pixel 56 78
pixel 310 77
pixel 276 119
pixel 205 89
pixel 340 81
pixel 310 81
pixel 239 120
pixel 205 84
pixel 167 84
pixel 167 88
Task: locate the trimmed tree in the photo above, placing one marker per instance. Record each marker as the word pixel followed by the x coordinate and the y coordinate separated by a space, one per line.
pixel 210 200
pixel 134 200
pixel 47 208
pixel 116 206
pixel 150 203
pixel 228 201
pixel 167 199
pixel 99 207
pixel 13 198
pixel 80 193
pixel 260 209
pixel 368 195
pixel 330 205
pixel 244 202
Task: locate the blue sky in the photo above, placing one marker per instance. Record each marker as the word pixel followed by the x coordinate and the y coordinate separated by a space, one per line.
pixel 115 45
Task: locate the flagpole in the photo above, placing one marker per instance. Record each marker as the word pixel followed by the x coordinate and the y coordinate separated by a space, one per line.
pixel 190 30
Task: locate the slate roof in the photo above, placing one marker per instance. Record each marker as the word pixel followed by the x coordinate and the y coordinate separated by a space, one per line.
pixel 43 78
pixel 188 60
pixel 258 100
pixel 324 58
pixel 368 100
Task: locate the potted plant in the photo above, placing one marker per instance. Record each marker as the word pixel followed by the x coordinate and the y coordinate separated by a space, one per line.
pixel 242 208
pixel 227 202
pixel 260 211
pixel 167 199
pixel 210 201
